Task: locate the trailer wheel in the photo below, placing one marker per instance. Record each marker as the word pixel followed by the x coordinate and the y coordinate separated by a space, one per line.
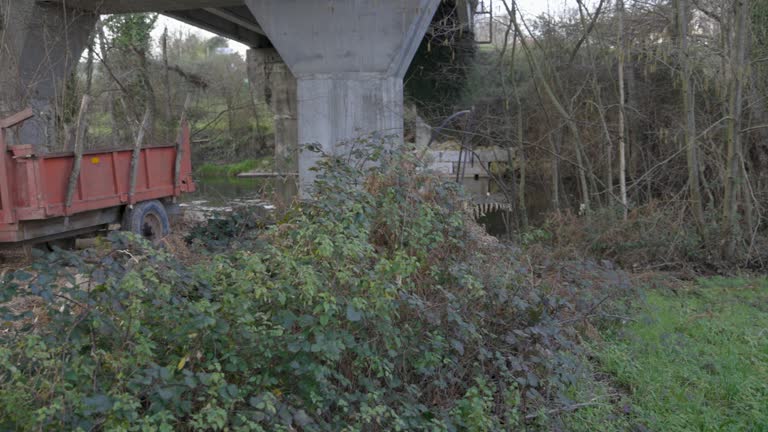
pixel 148 219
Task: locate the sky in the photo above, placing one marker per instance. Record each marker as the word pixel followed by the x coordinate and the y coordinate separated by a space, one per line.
pixel 536 7
pixel 528 7
pixel 175 26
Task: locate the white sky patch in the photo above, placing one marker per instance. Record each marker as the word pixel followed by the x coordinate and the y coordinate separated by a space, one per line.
pixel 177 27
pixel 532 8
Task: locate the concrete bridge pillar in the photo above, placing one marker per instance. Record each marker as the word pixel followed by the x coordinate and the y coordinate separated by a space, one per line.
pixel 41 45
pixel 349 58
pixel 274 85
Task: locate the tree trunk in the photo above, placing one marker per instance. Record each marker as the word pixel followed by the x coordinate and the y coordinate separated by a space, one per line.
pixel 689 116
pixel 89 64
pixel 759 114
pixel 167 78
pixel 634 146
pixel 150 100
pixel 555 171
pixel 111 102
pixel 622 123
pixel 733 178
pixel 522 210
pixel 88 78
pixel 598 103
pixel 622 127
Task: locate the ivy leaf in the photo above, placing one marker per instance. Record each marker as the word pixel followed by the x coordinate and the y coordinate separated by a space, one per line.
pixel 353 314
pixel 182 362
pixel 166 393
pixel 97 404
pixel 301 419
pixel 458 346
pixel 22 276
pixel 532 379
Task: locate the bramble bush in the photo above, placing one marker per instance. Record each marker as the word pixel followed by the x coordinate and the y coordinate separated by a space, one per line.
pixel 375 307
pixel 237 229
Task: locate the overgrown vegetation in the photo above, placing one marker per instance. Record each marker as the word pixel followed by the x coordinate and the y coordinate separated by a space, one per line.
pixel 674 244
pixel 240 229
pixel 621 110
pixel 377 307
pixel 637 136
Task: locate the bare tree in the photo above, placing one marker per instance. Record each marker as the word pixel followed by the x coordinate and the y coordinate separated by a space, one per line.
pixel 689 112
pixel 734 180
pixel 567 117
pixel 622 123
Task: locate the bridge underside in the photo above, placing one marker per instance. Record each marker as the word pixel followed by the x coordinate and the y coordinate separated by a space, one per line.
pixel 229 18
pixel 342 76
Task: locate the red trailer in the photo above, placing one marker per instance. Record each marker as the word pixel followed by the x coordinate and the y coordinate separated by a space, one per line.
pixel 38 205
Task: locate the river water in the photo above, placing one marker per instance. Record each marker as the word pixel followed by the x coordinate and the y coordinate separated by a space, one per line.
pixel 217 196
pixel 223 191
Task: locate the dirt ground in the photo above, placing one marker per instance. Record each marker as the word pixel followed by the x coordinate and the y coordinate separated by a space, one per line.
pixel 17 258
pixel 12 260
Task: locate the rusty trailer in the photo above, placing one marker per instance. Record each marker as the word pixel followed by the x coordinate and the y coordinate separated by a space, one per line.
pixel 38 205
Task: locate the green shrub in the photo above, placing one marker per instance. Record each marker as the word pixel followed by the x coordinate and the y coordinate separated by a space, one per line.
pixel 372 308
pixel 240 229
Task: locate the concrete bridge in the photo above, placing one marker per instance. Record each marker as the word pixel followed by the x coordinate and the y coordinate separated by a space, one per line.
pixel 333 69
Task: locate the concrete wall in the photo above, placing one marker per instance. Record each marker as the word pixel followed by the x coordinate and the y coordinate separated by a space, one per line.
pixel 41 46
pixel 335 111
pixel 273 85
pixel 328 37
pixel 349 57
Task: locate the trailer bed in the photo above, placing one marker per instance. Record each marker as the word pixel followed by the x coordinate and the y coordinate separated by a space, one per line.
pixel 34 187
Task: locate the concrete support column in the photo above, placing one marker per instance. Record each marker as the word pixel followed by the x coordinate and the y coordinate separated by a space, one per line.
pixel 273 84
pixel 338 109
pixel 349 57
pixel 41 45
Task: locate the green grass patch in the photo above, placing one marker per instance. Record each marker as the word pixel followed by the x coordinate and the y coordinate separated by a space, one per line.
pixel 233 169
pixel 696 360
pixel 595 405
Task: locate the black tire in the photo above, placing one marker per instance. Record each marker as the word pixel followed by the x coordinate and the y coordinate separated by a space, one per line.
pixel 148 219
pixel 68 243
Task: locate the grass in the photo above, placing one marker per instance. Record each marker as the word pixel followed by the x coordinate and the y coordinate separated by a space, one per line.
pixel 596 406
pixel 233 169
pixel 693 360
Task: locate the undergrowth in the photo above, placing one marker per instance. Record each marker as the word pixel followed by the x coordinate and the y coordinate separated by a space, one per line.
pixel 654 237
pixel 659 236
pixel 376 307
pixel 238 229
